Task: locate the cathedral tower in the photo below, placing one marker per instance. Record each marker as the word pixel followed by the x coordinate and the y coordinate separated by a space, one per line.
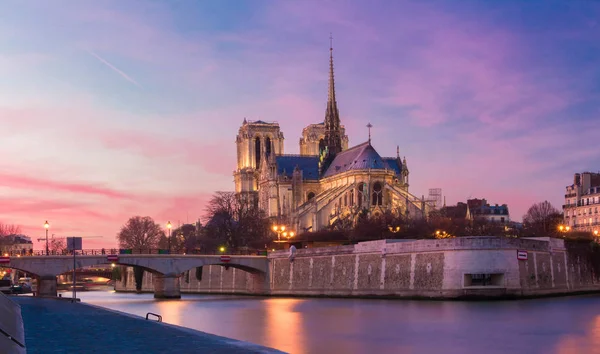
pixel 256 141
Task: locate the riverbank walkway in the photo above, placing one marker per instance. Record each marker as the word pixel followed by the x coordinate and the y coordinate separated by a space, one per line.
pixel 59 326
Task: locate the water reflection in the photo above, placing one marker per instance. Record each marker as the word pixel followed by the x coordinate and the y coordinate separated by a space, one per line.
pixel 286 328
pixel 559 325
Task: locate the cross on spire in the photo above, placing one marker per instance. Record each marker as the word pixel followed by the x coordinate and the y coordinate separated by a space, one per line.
pixel 369 126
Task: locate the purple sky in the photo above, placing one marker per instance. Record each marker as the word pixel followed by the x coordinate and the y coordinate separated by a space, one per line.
pixel 111 109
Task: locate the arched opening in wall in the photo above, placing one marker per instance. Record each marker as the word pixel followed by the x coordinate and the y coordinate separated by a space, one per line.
pixel 257 151
pixel 321 146
pixel 94 277
pixel 17 280
pixel 377 194
pixel 310 196
pixel 268 147
pixel 361 195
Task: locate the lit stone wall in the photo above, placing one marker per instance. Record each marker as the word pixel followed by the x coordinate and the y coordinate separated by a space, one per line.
pixel 431 268
pixel 215 279
pixel 420 268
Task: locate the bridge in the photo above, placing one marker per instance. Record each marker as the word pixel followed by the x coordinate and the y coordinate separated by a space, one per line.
pixel 166 268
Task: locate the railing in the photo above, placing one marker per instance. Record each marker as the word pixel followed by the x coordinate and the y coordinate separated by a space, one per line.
pixel 103 251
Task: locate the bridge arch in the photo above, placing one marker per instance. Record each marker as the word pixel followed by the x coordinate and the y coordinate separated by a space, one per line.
pixel 166 270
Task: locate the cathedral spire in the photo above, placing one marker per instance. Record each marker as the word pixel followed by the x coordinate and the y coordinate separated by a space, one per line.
pixel 333 134
pixel 331 91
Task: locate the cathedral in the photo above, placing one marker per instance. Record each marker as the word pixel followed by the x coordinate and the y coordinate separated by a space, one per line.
pixel 327 181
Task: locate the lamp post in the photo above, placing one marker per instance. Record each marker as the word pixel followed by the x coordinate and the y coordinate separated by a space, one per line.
pixel 46 226
pixel 279 229
pixel 169 238
pixel 288 235
pixel 564 228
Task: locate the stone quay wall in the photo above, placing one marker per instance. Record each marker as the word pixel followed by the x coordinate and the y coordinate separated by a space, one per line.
pixel 214 279
pixel 449 268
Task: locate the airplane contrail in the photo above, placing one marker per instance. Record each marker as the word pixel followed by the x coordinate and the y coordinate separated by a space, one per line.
pixel 125 76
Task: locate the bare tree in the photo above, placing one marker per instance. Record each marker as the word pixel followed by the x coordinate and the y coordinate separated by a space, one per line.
pixel 542 218
pixel 9 229
pixel 140 232
pixel 233 223
pixel 183 239
pixel 57 245
pixel 5 231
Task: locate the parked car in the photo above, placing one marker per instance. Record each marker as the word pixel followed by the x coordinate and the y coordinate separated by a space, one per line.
pixel 6 286
pixel 22 288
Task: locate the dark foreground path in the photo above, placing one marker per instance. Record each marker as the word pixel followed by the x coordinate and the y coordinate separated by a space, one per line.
pixel 59 326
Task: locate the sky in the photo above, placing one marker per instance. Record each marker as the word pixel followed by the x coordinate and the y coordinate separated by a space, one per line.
pixel 110 109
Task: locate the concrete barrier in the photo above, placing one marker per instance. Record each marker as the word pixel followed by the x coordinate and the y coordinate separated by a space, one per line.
pixel 12 333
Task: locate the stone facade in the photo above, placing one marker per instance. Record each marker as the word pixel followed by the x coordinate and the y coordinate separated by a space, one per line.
pixel 214 279
pixel 450 268
pixel 582 199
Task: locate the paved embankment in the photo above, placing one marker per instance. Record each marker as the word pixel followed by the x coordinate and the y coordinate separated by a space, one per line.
pixel 59 326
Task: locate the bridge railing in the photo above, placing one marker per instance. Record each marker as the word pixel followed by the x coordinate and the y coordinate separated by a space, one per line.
pixel 107 251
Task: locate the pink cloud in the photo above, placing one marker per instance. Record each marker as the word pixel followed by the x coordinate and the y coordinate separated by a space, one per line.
pixel 23 182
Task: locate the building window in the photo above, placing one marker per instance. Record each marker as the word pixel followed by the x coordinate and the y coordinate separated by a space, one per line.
pixel 310 196
pixel 352 197
pixel 361 194
pixel 257 151
pixel 377 194
pixel 346 199
pixel 268 146
pixel 484 280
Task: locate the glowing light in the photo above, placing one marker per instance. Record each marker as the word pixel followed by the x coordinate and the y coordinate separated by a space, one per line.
pixel 46 225
pixel 222 249
pixel 169 225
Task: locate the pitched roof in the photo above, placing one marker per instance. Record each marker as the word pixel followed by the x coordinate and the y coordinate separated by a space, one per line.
pixel 359 157
pixel 308 164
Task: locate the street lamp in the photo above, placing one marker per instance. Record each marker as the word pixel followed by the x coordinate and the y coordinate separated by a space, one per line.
pixel 46 226
pixel 288 235
pixel 169 238
pixel 279 229
pixel 595 232
pixel 564 228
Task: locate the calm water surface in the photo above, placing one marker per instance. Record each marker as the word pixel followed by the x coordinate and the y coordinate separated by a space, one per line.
pixel 558 325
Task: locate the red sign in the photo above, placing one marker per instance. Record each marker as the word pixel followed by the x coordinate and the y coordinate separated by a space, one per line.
pixel 522 255
pixel 225 259
pixel 4 260
pixel 112 258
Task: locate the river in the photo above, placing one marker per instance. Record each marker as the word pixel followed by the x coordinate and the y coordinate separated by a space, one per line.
pixel 296 325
